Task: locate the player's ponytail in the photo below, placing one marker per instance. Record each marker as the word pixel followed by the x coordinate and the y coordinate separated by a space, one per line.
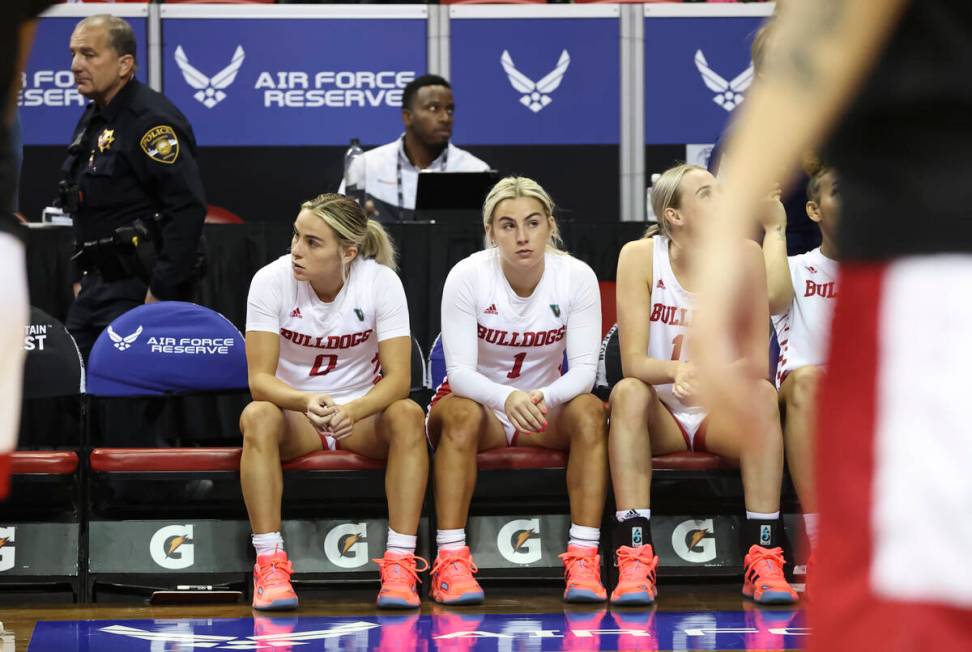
pixel 353 228
pixel 378 245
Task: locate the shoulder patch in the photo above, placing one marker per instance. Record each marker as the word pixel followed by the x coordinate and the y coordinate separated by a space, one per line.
pixel 160 144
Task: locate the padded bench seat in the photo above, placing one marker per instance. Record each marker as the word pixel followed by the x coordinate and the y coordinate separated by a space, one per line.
pixel 44 462
pixel 522 457
pixel 188 460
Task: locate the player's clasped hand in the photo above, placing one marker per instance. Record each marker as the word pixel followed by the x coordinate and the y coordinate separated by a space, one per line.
pixel 341 421
pixel 318 411
pixel 685 385
pixel 527 411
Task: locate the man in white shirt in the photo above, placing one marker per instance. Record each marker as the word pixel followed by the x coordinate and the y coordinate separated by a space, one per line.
pixel 391 171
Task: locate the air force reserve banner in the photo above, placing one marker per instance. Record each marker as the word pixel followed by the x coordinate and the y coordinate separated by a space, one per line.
pixel 292 75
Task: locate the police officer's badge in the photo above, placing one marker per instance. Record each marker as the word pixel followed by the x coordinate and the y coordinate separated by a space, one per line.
pixel 160 144
pixel 105 139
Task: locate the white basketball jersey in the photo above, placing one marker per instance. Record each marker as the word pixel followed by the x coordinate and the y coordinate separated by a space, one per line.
pixel 329 347
pixel 803 331
pixel 520 341
pixel 670 318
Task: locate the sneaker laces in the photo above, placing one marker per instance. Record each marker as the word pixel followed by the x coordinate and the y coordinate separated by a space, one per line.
pixel 630 560
pixel 452 566
pixel 765 564
pixel 393 567
pixel 577 560
pixel 274 571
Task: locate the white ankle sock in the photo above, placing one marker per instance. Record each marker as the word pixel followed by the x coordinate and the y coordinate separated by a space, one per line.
pixel 450 539
pixel 267 543
pixel 759 516
pixel 623 515
pixel 586 537
pixel 810 525
pixel 401 543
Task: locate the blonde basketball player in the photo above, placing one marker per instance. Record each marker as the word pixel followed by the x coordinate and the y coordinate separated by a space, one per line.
pixel 508 315
pixel 802 295
pixel 655 409
pixel 329 354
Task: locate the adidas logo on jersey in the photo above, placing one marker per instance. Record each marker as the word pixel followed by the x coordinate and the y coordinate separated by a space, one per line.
pixel 660 285
pixel 296 313
pixel 811 269
pixel 491 310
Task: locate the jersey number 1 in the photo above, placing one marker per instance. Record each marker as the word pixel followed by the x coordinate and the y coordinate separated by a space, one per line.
pixel 677 347
pixel 517 365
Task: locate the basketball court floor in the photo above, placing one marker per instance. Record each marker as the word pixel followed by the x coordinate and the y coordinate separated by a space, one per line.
pixel 688 617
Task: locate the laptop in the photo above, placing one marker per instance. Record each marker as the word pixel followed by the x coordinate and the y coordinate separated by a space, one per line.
pixel 452 195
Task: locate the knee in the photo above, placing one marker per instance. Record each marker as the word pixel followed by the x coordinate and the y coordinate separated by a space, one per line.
pixel 461 422
pixel 404 420
pixel 631 393
pixel 766 399
pixel 802 385
pixel 261 423
pixel 588 420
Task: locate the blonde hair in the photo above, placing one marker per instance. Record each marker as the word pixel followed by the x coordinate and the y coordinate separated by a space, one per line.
pixel 353 227
pixel 514 188
pixel 666 193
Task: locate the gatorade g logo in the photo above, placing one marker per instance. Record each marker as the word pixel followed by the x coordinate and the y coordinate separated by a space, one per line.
pixel 694 541
pixel 172 547
pixel 347 545
pixel 519 541
pixel 7 550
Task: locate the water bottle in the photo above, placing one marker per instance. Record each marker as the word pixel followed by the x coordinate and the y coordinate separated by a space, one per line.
pixel 354 172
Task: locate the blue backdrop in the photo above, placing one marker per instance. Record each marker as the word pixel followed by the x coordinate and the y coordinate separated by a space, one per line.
pixel 557 84
pixel 679 106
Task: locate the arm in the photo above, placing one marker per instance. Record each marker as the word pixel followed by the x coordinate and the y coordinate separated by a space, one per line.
pixel 459 343
pixel 395 356
pixel 583 340
pixel 178 187
pixel 262 353
pixel 825 49
pixel 633 301
pixel 25 39
pixel 754 327
pixel 778 281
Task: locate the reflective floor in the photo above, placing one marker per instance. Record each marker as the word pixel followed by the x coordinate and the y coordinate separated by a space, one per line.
pixel 687 618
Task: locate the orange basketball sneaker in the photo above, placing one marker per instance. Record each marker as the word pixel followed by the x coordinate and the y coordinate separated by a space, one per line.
pixel 764 581
pixel 271 583
pixel 399 575
pixel 452 578
pixel 636 576
pixel 582 572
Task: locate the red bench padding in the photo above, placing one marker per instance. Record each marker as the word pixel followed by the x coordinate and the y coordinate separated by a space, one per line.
pixel 148 460
pixel 521 457
pixel 44 462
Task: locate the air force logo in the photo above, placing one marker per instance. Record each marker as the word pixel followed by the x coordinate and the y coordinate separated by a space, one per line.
pixel 209 90
pixel 536 95
pixel 729 94
pixel 122 343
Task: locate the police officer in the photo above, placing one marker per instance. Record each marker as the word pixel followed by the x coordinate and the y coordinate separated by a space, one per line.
pixel 131 183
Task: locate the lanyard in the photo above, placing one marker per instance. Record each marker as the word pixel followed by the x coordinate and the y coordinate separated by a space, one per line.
pixel 401 189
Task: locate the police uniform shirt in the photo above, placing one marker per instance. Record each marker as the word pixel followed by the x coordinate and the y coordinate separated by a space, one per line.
pixel 391 178
pixel 904 149
pixel 131 159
